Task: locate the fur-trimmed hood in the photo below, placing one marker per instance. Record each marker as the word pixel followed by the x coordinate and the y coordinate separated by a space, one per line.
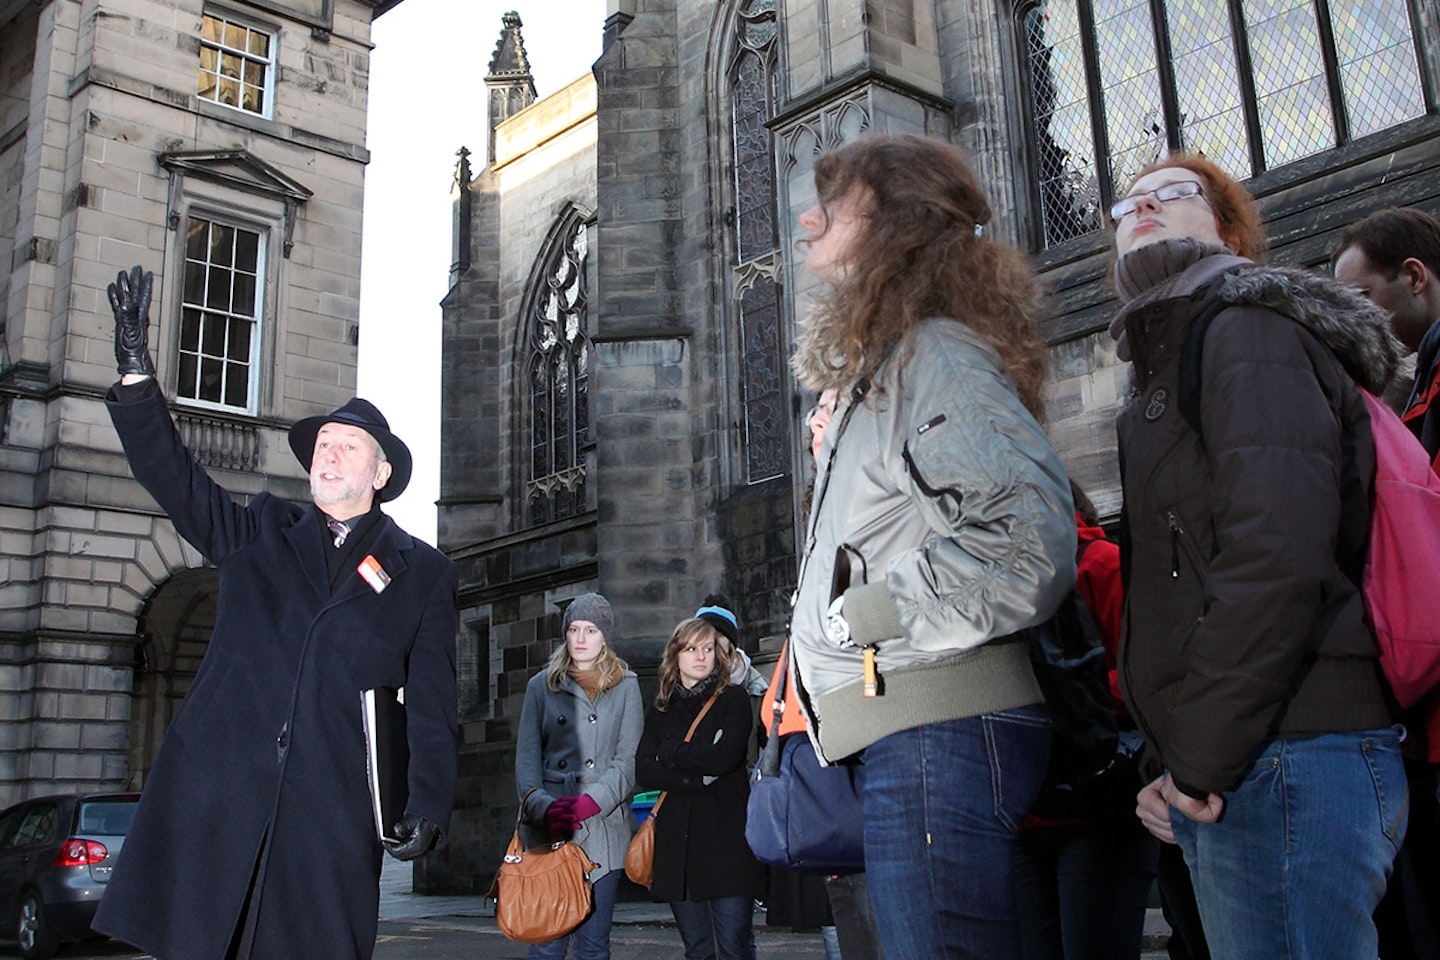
pixel 1354 328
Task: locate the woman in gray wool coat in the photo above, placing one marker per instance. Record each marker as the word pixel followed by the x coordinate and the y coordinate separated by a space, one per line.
pixel 575 762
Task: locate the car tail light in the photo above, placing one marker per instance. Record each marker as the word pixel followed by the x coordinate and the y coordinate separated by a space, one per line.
pixel 79 853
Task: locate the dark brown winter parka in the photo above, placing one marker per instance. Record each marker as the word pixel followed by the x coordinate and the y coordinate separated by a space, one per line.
pixel 1243 621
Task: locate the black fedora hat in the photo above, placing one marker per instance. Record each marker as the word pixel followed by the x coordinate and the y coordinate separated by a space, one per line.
pixel 366 416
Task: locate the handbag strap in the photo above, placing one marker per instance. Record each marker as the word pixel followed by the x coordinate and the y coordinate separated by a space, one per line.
pixel 520 814
pixel 782 691
pixel 688 734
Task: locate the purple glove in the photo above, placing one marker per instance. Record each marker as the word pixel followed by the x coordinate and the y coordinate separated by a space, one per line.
pixel 559 817
pixel 583 808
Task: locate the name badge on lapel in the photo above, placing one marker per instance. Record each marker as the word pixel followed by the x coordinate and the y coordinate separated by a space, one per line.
pixel 373 573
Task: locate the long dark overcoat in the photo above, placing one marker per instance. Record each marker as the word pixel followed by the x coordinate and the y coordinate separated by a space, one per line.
pixel 700 848
pixel 262 774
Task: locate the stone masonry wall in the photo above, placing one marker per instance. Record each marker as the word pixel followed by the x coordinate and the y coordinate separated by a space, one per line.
pixel 94 94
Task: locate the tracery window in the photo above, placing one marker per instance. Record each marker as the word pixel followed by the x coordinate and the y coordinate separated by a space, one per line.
pixel 754 84
pixel 1252 84
pixel 559 377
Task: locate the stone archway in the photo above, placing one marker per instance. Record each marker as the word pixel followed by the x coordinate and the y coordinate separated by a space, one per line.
pixel 175 625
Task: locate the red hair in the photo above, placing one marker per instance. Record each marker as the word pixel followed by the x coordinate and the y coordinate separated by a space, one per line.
pixel 1237 219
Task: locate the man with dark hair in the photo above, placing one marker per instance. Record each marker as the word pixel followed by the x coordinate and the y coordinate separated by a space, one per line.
pixel 256 836
pixel 1393 257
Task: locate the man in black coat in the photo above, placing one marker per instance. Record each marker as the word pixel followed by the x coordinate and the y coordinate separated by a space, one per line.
pixel 256 835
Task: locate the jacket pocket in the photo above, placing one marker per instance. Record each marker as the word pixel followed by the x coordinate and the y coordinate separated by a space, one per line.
pixel 850 570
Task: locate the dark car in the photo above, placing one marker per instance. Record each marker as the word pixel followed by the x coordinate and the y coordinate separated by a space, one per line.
pixel 56 854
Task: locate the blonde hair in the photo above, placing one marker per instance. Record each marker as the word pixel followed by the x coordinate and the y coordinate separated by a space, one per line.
pixel 612 669
pixel 687 634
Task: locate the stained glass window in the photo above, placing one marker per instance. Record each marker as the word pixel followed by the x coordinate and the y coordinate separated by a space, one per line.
pixel 1252 84
pixel 761 353
pixel 753 85
pixel 559 377
pixel 1064 139
pixel 1207 84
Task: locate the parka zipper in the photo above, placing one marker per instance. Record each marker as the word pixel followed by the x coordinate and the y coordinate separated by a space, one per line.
pixel 1174 544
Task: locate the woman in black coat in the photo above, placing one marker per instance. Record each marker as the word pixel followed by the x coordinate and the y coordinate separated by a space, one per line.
pixel 703 866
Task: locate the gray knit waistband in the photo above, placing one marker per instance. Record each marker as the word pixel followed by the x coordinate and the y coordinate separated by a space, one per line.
pixel 994 677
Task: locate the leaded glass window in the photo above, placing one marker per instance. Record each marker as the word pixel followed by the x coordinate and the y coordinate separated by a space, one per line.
pixel 1207 81
pixel 754 82
pixel 559 377
pixel 220 315
pixel 1252 84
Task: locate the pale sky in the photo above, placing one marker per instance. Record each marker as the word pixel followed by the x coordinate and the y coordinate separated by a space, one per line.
pixel 428 99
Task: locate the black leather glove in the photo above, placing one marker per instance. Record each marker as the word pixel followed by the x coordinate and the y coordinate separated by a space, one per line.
pixel 130 300
pixel 417 836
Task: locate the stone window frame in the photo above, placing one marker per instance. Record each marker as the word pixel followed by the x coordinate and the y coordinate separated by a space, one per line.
pixel 754 280
pixel 1070 199
pixel 237 188
pixel 221 49
pixel 562 491
pixel 203 314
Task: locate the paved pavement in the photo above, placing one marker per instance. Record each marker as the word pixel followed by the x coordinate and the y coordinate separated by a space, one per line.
pixel 416 927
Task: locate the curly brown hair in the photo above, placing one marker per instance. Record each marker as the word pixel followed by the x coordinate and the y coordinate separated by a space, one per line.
pixel 918 253
pixel 688 633
pixel 1237 219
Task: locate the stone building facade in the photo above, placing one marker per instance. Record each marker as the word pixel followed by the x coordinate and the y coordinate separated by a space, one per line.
pixel 221 146
pixel 617 412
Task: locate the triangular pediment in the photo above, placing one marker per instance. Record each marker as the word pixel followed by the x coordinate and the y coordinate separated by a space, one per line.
pixel 240 169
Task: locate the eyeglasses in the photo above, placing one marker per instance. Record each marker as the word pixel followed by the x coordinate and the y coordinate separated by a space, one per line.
pixel 1179 190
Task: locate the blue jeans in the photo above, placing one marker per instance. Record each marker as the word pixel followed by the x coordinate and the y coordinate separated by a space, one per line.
pixel 591 938
pixel 723 927
pixel 943 805
pixel 1083 887
pixel 1300 855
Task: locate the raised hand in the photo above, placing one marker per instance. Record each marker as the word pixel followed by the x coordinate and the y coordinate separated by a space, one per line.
pixel 130 301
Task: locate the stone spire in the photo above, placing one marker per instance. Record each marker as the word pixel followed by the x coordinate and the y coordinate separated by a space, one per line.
pixel 511 86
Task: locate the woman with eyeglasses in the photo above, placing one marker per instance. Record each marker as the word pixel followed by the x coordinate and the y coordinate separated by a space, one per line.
pixel 1246 660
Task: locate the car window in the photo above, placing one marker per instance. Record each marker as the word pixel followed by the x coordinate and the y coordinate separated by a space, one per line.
pixel 10 818
pixel 36 827
pixel 110 818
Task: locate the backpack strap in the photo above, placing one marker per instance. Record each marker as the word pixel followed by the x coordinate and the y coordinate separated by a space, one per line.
pixel 1192 355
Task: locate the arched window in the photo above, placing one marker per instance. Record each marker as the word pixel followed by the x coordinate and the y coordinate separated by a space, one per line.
pixel 1252 84
pixel 753 79
pixel 558 375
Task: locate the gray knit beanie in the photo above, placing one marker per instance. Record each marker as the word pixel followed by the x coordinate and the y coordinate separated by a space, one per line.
pixel 594 608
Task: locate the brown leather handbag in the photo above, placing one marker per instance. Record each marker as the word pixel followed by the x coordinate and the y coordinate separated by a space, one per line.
pixel 542 893
pixel 640 855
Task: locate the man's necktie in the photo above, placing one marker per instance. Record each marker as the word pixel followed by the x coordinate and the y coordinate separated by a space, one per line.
pixel 340 528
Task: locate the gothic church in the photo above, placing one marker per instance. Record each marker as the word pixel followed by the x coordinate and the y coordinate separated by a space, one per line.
pixel 617 410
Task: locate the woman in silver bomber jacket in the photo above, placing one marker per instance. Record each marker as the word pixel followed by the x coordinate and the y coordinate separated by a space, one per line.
pixel 942 525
